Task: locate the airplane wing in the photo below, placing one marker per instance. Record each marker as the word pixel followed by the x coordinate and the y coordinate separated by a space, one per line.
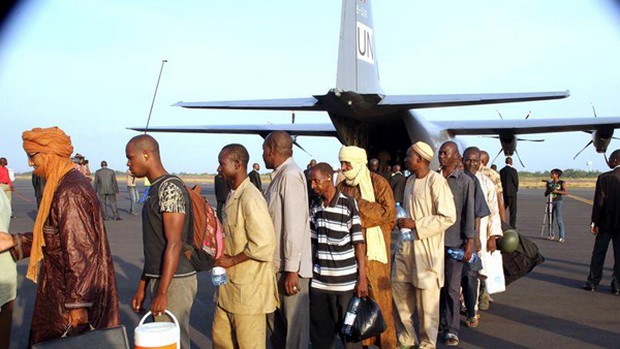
pixel 262 130
pixel 433 101
pixel 261 104
pixel 396 102
pixel 494 127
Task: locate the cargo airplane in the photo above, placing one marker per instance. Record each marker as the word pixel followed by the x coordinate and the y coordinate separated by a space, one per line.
pixel 362 114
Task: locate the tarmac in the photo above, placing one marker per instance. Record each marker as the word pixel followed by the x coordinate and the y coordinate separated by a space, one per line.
pixel 545 309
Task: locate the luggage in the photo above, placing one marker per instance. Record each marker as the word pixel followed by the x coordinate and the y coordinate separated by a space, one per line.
pixel 520 262
pixel 105 338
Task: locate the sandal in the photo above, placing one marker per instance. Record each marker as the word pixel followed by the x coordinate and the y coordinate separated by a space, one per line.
pixel 472 322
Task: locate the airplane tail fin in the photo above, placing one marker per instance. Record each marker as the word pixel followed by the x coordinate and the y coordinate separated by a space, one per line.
pixel 357 59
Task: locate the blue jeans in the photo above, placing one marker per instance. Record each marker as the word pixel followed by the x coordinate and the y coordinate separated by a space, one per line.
pixel 133 199
pixel 557 217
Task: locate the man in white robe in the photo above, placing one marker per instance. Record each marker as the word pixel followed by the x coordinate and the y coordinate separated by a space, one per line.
pixel 418 269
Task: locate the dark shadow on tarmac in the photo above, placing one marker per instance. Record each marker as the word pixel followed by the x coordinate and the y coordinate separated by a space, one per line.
pixel 561 327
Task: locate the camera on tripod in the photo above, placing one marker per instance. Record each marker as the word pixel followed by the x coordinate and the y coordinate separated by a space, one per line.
pixel 550 186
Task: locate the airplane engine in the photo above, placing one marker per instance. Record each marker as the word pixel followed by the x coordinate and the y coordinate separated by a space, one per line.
pixel 601 139
pixel 508 142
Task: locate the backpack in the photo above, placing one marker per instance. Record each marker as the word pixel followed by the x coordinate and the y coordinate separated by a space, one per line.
pixel 205 243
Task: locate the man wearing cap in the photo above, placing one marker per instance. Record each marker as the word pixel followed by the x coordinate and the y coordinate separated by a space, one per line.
pixel 76 280
pixel 377 210
pixel 418 272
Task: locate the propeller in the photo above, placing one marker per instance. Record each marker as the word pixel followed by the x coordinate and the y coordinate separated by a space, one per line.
pixel 591 132
pixel 294 138
pixel 582 149
pixel 499 152
pixel 519 157
pixel 516 139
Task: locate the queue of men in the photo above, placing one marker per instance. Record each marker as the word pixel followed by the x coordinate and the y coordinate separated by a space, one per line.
pixel 292 267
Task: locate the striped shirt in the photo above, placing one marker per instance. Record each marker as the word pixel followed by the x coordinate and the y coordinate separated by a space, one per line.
pixel 334 231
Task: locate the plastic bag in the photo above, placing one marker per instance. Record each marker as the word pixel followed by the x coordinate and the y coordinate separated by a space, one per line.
pixel 369 321
pixel 494 270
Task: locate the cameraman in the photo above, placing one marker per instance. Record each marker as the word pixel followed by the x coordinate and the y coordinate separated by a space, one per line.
pixel 557 189
pixel 81 164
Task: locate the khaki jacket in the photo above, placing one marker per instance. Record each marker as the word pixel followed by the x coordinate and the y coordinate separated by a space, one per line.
pixel 251 287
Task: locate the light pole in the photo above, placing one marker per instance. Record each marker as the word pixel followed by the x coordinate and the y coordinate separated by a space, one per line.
pixel 155 95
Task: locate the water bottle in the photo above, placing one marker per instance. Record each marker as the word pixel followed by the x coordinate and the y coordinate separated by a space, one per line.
pixel 458 254
pixel 218 276
pixel 405 233
pixel 349 319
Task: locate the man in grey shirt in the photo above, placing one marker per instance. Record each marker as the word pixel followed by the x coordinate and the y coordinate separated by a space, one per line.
pixel 287 198
pixel 459 236
pixel 106 188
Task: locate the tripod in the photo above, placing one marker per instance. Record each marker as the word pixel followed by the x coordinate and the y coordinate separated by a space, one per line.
pixel 547 218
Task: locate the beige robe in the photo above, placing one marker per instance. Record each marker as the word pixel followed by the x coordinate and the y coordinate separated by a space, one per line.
pixel 429 202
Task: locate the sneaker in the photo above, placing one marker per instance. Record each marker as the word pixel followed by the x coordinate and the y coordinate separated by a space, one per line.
pixel 451 340
pixel 561 240
pixel 551 237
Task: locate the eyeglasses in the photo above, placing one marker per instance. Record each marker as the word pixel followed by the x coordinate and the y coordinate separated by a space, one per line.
pixel 30 156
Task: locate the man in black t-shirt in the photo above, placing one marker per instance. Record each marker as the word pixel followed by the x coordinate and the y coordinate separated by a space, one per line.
pixel 166 224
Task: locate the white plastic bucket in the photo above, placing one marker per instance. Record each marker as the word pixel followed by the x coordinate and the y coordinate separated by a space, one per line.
pixel 158 335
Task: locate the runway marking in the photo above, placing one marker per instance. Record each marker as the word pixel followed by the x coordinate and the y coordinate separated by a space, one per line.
pixel 579 198
pixel 22 197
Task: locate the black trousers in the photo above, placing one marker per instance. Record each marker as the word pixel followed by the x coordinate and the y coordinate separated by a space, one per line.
pixel 601 244
pixel 327 312
pixel 510 203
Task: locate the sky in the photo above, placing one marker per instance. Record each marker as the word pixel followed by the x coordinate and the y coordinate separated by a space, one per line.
pixel 90 67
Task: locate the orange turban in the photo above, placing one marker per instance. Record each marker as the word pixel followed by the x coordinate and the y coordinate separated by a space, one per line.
pixel 55 149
